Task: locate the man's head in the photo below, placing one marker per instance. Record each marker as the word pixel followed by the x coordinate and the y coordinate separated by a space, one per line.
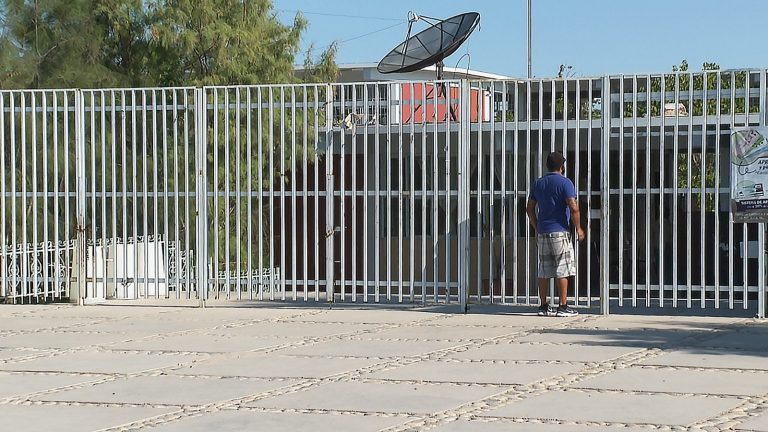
pixel 555 162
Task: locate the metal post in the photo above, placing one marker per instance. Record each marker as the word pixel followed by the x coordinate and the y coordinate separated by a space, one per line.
pixel 605 291
pixel 329 195
pixel 464 190
pixel 530 34
pixel 80 199
pixel 202 198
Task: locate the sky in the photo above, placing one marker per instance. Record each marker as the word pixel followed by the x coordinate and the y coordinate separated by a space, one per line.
pixel 594 37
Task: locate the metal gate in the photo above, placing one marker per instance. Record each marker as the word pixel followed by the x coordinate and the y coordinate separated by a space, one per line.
pixel 377 192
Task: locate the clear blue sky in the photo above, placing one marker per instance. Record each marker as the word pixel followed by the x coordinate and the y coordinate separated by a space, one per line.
pixel 596 37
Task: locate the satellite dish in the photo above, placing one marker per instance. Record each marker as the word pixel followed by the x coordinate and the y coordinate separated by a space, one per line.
pixel 430 46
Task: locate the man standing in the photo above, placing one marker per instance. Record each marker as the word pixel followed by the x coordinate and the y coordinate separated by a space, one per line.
pixel 555 197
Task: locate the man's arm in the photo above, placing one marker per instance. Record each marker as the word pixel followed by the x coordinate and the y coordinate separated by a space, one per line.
pixel 573 205
pixel 530 208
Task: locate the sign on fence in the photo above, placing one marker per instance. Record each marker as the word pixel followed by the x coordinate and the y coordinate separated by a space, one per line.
pixel 749 174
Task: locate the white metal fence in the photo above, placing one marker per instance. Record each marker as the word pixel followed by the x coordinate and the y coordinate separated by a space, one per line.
pixel 382 192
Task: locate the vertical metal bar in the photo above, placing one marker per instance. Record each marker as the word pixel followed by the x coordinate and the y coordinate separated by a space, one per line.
pixel 689 195
pixel 353 157
pixel 104 160
pixel 25 227
pixel 515 193
pixel 703 193
pixel 56 191
pixel 400 189
pixel 329 188
pixel 761 269
pixel 620 251
pixel 377 186
pixel 354 214
pixel 492 176
pixel 388 200
pixel 145 192
pixel 282 193
pixel 216 189
pixel 271 244
pixel 463 189
pixel 675 184
pixel 318 230
pixel 201 128
pixel 4 171
pixel 46 245
pixel 412 190
pixel 605 107
pixel 155 203
pixel 479 203
pixel 228 192
pixel 249 191
pixel 81 204
pixel 200 114
pixel 448 190
pixel 304 175
pixel 367 118
pixel 124 163
pixel 730 213
pixel 590 118
pixel 34 257
pixel 238 197
pixel 424 187
pixel 504 192
pixel 528 160
pixel 260 179
pixel 342 196
pixel 436 199
pixel 662 186
pixel 648 222
pixel 716 245
pixel 744 235
pixel 635 209
pixel 12 292
pixel 294 221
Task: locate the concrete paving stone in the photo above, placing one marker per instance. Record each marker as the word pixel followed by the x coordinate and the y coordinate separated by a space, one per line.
pixel 712 358
pixel 758 423
pixel 9 353
pixel 750 338
pixel 672 323
pixel 198 342
pixel 102 362
pixel 513 320
pixel 293 330
pixel 166 389
pixel 61 339
pixel 103 311
pixel 59 418
pixel 380 397
pixel 602 337
pixel 484 373
pixel 259 365
pixel 153 325
pixel 528 351
pixel 577 405
pixel 238 421
pixel 529 426
pixel 19 384
pixel 231 310
pixel 368 348
pixel 371 316
pixel 440 332
pixel 682 381
pixel 33 323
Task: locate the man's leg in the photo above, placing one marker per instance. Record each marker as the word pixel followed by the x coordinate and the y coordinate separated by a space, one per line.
pixel 543 290
pixel 562 290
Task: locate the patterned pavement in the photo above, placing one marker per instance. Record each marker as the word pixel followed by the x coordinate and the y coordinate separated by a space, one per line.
pixel 283 367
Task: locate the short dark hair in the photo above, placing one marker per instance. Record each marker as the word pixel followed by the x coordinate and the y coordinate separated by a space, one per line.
pixel 555 160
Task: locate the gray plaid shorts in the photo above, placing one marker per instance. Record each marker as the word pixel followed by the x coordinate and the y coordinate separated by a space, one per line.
pixel 556 255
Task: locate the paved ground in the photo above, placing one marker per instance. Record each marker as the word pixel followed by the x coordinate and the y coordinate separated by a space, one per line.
pixel 240 366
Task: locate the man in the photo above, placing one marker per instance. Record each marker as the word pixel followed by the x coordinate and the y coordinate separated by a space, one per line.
pixel 555 196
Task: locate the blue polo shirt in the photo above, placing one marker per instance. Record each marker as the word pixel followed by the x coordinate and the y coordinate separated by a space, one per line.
pixel 550 193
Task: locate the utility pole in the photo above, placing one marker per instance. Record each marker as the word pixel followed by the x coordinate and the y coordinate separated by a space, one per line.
pixel 530 68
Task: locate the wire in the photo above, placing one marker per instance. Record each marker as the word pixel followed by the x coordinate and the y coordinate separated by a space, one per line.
pixel 339 15
pixel 360 36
